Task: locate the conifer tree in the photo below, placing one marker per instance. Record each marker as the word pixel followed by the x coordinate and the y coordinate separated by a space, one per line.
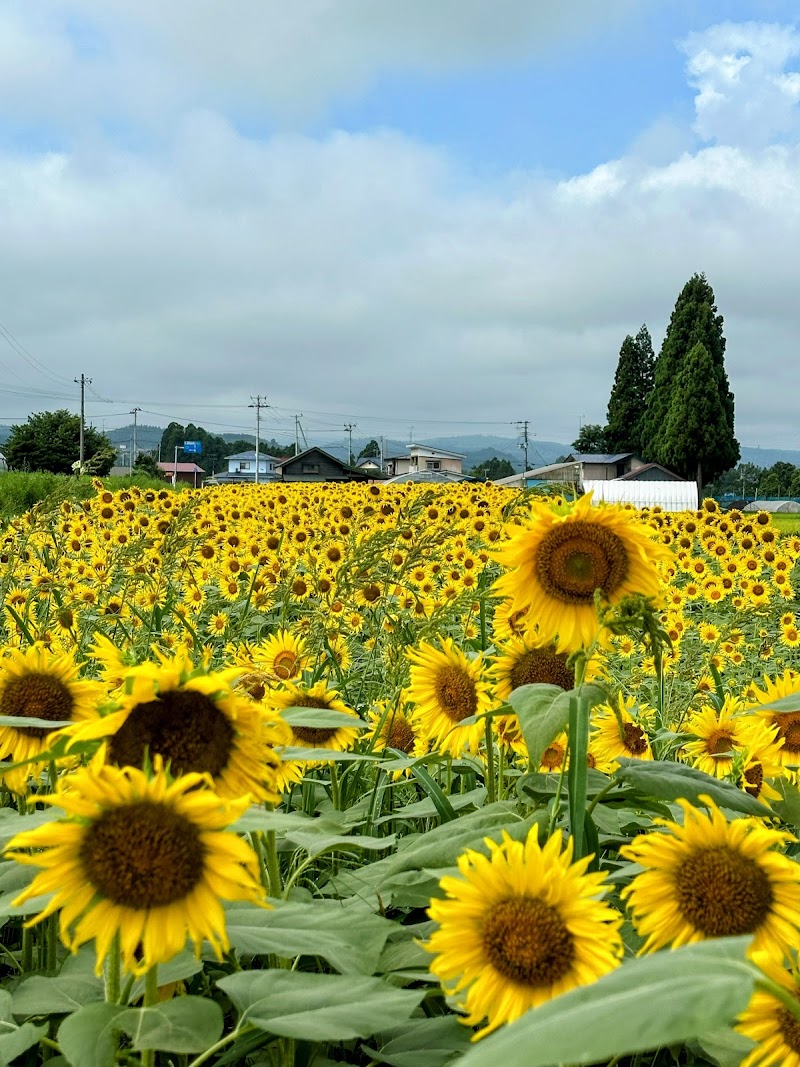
pixel 633 383
pixel 696 441
pixel 695 320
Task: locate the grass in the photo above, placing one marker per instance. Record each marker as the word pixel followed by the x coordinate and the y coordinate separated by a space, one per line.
pixel 20 490
pixel 787 523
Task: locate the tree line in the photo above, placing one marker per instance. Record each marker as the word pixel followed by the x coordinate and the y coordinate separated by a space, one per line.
pixel 676 409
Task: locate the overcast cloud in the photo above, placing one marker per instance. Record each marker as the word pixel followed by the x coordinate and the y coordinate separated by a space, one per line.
pixel 371 273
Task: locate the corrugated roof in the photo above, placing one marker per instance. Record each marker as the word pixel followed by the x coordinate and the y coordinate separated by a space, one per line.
pixel 599 457
pixel 671 496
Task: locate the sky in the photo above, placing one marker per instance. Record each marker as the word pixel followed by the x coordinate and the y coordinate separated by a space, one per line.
pixel 420 217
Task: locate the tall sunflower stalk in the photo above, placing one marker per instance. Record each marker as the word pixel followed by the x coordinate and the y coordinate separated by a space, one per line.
pixel 580 572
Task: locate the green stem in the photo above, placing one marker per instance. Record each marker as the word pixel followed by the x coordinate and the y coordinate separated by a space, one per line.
pixel 52 943
pixel 113 971
pixel 603 792
pixel 27 949
pixel 577 772
pixel 150 1000
pixel 223 1041
pixel 336 795
pixel 490 779
pixel 273 863
pixel 556 808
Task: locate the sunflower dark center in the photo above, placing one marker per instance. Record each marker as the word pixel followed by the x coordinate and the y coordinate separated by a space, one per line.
pixel 754 777
pixel 400 736
pixel 542 665
pixel 577 558
pixel 527 941
pixel 634 738
pixel 36 695
pixel 789 1028
pixel 455 693
pixel 143 855
pixel 371 593
pixel 184 727
pixel 789 730
pixel 284 664
pixel 723 893
pixel 719 742
pixel 553 757
pixel 312 735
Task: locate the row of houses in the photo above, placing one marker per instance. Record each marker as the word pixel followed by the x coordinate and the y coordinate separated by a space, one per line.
pixel 421 463
pixel 619 478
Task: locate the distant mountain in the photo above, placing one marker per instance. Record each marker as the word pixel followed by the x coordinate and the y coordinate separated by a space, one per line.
pixel 767 457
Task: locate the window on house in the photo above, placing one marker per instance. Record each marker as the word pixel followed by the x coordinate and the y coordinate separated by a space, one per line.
pixel 244 465
pixel 311 468
pixel 433 464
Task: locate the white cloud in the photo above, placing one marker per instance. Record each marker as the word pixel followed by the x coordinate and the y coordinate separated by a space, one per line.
pixel 745 94
pixel 370 273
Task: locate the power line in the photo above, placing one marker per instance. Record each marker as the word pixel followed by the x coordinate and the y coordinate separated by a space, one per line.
pixel 29 358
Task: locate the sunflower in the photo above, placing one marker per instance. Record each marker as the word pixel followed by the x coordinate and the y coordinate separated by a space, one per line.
pixel 148 858
pixel 521 662
pixel 786 722
pixel 446 688
pixel 719 735
pixel 559 558
pixel 617 733
pixel 36 684
pixel 196 723
pixel 710 878
pixel 339 738
pixel 769 1022
pixel 281 655
pixel 519 927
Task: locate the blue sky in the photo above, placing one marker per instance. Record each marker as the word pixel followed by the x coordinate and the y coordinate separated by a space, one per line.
pixel 442 212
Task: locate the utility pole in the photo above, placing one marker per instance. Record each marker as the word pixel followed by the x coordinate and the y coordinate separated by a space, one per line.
pixel 297 419
pixel 348 429
pixel 135 412
pixel 524 443
pixel 83 381
pixel 259 402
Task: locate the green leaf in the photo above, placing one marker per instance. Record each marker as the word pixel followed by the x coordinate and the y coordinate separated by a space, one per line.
pixel 424 1043
pixel 321 718
pixel 56 996
pixel 260 819
pixel 315 843
pixel 434 791
pixel 12 824
pixel 726 1047
pixel 14 1042
pixel 351 942
pixel 426 809
pixel 318 1007
pixel 21 721
pixel 298 754
pixel 543 711
pixel 665 780
pixel 437 848
pixel 656 1000
pixel 184 1024
pixel 184 965
pixel 788 807
pixel 88 1036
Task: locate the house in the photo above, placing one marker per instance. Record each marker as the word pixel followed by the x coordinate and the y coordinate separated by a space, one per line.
pixel 317 465
pixel 424 458
pixel 182 472
pixel 620 478
pixel 371 464
pixel 242 468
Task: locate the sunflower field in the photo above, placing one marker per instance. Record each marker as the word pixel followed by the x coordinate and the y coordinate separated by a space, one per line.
pixel 314 774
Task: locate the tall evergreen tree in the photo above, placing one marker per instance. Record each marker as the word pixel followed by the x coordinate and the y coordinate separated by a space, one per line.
pixel 695 320
pixel 633 383
pixel 696 440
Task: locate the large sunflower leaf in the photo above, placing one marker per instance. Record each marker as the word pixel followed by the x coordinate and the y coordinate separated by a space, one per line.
pixel 782 706
pixel 17 1040
pixel 88 1036
pixel 56 996
pixel 647 1003
pixel 350 942
pixel 543 711
pixel 185 1024
pixel 665 780
pixel 321 718
pixel 319 1007
pixel 432 1042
